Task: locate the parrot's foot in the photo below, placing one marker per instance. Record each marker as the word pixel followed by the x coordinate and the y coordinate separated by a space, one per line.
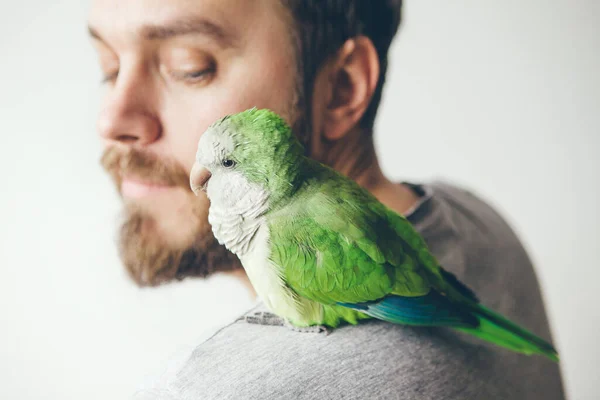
pixel 308 329
pixel 264 318
pixel 267 318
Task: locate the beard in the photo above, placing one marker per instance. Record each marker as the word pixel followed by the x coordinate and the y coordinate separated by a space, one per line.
pixel 149 257
pixel 146 252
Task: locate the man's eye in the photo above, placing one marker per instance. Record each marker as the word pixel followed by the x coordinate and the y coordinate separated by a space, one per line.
pixel 197 76
pixel 110 77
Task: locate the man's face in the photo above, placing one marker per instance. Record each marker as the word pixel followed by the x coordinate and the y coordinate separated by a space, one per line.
pixel 172 68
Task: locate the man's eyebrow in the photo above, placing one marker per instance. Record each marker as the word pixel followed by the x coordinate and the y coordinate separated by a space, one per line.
pixel 190 26
pixel 181 27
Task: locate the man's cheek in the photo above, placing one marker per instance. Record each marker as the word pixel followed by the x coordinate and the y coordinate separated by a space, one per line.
pixel 186 121
pixel 263 96
pixel 183 130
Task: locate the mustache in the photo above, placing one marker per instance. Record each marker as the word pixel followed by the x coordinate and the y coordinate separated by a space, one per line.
pixel 128 162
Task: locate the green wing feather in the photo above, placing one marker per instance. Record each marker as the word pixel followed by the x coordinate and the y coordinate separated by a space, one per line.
pixel 335 244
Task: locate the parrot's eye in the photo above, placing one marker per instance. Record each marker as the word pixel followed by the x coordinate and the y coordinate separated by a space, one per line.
pixel 227 163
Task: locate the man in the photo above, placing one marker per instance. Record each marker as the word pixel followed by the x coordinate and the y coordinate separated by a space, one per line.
pixel 172 67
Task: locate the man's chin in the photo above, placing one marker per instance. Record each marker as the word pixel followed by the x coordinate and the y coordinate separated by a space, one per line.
pixel 175 219
pixel 153 257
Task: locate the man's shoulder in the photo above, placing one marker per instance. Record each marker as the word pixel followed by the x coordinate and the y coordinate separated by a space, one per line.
pixel 463 208
pixel 465 230
pixel 256 358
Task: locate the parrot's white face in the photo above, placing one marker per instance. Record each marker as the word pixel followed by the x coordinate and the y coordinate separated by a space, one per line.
pixel 236 203
pixel 219 176
pixel 215 173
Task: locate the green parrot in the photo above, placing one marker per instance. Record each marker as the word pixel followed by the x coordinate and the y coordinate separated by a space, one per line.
pixel 319 249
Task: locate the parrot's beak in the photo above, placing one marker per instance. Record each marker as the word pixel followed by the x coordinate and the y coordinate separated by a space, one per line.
pixel 199 178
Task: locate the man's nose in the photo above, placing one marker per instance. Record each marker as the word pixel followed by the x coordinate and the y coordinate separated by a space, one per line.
pixel 129 115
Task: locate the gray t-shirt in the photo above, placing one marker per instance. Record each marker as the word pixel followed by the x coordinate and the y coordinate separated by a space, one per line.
pixel 256 358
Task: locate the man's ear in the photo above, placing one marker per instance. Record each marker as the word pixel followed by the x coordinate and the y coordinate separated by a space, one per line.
pixel 353 78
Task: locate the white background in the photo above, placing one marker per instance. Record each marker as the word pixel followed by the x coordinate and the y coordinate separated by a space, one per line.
pixel 503 97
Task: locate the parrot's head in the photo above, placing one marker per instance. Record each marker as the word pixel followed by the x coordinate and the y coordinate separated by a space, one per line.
pixel 246 156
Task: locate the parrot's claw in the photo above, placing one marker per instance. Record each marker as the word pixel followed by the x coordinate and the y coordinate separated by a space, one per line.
pixel 267 318
pixel 308 329
pixel 264 318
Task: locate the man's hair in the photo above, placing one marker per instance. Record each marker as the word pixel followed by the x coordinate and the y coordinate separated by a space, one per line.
pixel 323 26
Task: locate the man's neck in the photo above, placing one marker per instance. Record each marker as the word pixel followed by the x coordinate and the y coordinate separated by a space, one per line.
pixel 355 157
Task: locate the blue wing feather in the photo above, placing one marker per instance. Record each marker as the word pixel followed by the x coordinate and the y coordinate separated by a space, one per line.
pixel 433 309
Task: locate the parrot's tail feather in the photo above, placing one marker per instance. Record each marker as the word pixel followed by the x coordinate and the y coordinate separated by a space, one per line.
pixel 435 309
pixel 495 328
pixel 459 286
